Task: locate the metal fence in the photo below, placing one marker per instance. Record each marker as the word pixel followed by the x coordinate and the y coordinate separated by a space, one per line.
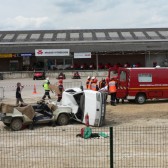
pixel 50 147
pixel 139 147
pixel 1 93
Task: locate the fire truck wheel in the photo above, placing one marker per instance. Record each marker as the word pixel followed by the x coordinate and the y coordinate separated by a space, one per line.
pixel 140 98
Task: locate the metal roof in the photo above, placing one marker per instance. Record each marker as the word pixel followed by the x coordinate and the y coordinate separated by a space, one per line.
pixel 90 39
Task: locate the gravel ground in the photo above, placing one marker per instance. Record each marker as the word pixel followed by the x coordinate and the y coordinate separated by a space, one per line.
pixel 153 114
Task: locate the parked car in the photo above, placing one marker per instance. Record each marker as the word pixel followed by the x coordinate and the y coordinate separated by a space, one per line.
pixel 61 76
pixel 76 75
pixel 39 74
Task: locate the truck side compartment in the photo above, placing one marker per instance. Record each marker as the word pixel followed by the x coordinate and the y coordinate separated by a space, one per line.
pixel 140 84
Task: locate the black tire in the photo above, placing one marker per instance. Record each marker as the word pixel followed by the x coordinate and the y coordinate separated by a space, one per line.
pixel 140 99
pixel 16 124
pixel 34 78
pixel 7 124
pixel 63 119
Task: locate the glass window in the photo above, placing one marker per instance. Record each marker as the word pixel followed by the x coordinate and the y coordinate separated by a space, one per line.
pixel 60 62
pixel 68 61
pixel 113 73
pixel 144 77
pixel 123 76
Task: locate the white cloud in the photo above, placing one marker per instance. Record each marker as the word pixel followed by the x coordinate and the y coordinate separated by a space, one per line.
pixel 23 23
pixel 83 14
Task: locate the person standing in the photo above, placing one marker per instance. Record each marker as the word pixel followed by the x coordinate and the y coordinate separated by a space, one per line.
pixel 18 94
pixel 112 88
pixel 94 85
pixel 61 89
pixel 102 83
pixel 46 89
pixel 88 82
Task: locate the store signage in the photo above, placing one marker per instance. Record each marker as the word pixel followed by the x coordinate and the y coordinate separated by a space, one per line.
pixel 82 55
pixel 5 55
pixel 26 55
pixel 52 52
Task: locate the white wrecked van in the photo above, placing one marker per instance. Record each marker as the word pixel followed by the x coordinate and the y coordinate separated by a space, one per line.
pixel 83 102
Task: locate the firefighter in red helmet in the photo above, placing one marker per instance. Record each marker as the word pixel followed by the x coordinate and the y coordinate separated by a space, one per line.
pixel 61 89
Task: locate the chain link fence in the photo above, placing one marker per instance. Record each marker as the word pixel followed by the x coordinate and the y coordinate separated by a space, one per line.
pixel 139 147
pixel 62 147
pixel 51 148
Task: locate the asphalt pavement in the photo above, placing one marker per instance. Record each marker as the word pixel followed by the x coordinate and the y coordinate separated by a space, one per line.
pixel 31 86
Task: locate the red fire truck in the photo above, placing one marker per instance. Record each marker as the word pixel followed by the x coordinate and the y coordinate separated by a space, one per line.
pixel 140 84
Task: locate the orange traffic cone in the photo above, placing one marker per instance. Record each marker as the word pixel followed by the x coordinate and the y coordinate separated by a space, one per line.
pixel 34 91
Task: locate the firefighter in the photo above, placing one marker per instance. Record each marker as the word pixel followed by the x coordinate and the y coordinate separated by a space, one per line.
pixel 61 89
pixel 102 83
pixel 94 85
pixel 46 88
pixel 88 82
pixel 112 89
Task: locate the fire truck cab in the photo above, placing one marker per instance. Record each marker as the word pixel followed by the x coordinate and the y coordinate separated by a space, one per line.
pixel 140 84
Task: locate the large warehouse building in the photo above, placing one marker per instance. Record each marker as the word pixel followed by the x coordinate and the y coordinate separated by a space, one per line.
pixel 59 49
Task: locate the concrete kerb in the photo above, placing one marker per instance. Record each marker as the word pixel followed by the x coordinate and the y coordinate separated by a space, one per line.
pixel 54 74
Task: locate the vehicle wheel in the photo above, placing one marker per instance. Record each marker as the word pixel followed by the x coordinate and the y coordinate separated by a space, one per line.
pixel 63 119
pixel 34 78
pixel 7 124
pixel 16 124
pixel 140 98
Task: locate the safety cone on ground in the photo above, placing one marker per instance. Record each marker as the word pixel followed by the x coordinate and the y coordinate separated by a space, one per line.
pixel 34 90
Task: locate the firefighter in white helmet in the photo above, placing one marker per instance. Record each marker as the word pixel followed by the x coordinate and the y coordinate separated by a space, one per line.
pixel 88 82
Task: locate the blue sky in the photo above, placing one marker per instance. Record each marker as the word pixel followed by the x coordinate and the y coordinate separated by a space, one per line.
pixel 82 14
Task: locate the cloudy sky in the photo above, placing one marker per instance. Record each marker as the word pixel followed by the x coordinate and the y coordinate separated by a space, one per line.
pixel 82 14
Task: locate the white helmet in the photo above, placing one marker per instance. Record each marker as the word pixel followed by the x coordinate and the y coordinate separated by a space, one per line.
pixel 93 77
pixel 88 77
pixel 47 78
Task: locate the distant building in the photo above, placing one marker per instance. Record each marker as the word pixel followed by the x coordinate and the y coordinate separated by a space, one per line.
pixel 60 49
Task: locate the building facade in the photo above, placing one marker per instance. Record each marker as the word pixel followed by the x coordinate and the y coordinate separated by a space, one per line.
pixel 60 49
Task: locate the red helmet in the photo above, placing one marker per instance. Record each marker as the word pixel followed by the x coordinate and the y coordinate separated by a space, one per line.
pixel 95 80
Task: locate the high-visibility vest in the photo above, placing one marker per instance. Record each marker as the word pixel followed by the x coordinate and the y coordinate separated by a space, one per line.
pixel 112 87
pixel 90 85
pixel 46 86
pixel 93 86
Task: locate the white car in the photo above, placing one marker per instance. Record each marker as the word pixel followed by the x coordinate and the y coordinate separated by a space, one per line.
pixel 76 104
pixel 86 102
